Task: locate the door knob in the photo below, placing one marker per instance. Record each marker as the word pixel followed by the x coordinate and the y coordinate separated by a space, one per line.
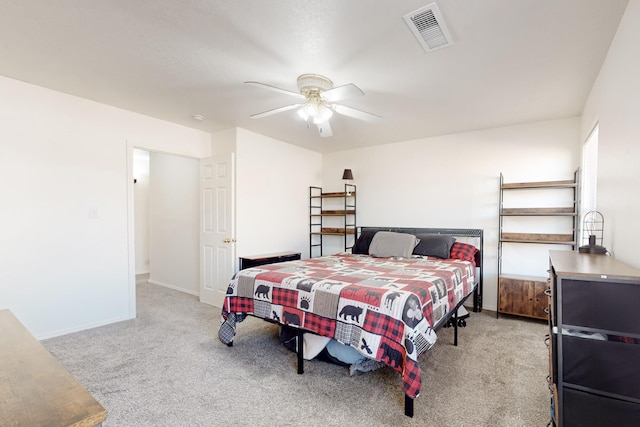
pixel 229 240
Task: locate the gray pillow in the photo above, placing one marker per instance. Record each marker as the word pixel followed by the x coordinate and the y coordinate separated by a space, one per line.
pixel 388 244
pixel 435 245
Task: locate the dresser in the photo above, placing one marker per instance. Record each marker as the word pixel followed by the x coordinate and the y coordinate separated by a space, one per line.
pixel 35 389
pixel 594 340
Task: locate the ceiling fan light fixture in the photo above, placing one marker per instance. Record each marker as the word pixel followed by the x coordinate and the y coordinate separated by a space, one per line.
pixel 310 109
pixel 323 115
pixel 303 114
pixel 321 100
pixel 315 111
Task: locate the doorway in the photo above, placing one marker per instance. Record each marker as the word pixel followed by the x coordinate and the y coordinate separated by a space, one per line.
pixel 166 217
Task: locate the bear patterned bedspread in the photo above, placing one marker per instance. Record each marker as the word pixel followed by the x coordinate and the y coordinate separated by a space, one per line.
pixel 385 308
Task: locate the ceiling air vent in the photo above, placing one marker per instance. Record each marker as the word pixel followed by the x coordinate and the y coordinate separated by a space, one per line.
pixel 429 28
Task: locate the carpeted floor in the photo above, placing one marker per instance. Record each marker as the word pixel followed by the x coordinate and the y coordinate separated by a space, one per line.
pixel 167 368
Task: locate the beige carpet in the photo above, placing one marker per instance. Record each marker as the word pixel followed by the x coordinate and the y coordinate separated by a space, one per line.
pixel 167 368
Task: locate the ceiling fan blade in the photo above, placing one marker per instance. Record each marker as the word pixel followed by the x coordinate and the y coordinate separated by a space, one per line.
pixel 275 89
pixel 275 111
pixel 356 114
pixel 325 129
pixel 342 92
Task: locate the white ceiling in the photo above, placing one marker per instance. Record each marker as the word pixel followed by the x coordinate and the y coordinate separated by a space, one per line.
pixel 513 61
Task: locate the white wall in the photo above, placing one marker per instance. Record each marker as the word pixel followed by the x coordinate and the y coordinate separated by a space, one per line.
pixel 614 103
pixel 272 194
pixel 63 160
pixel 453 181
pixel 174 208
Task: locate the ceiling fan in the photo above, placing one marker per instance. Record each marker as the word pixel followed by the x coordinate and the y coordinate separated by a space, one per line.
pixel 318 100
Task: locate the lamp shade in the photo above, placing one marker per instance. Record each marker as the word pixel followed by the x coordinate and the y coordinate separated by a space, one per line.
pixel 347 174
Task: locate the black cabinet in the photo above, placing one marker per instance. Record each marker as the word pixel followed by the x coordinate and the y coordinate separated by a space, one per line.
pixel 594 345
pixel 255 260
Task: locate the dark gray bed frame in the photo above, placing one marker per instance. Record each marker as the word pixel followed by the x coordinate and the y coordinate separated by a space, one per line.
pixel 450 318
pixel 455 232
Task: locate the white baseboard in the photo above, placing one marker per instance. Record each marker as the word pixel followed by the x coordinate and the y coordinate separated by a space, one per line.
pixel 175 288
pixel 84 327
pixel 142 277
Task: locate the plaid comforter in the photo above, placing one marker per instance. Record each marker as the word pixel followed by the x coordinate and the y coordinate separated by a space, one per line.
pixel 385 308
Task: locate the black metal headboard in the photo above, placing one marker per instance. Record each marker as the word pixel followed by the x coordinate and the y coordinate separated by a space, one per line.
pixel 456 232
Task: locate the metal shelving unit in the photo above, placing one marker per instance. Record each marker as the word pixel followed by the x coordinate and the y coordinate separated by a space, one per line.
pixel 320 217
pixel 519 294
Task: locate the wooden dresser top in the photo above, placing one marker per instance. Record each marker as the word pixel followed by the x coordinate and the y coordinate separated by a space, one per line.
pixel 575 264
pixel 36 390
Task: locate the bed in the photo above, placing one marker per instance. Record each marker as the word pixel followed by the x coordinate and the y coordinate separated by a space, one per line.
pixel 387 307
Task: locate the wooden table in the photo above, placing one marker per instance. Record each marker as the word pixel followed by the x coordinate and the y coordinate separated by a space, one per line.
pixel 35 389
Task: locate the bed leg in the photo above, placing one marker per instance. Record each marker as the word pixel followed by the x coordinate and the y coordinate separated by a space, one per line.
pixel 408 406
pixel 300 352
pixel 230 344
pixel 476 299
pixel 455 328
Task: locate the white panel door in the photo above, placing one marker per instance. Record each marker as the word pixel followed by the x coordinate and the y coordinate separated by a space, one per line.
pixel 217 228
